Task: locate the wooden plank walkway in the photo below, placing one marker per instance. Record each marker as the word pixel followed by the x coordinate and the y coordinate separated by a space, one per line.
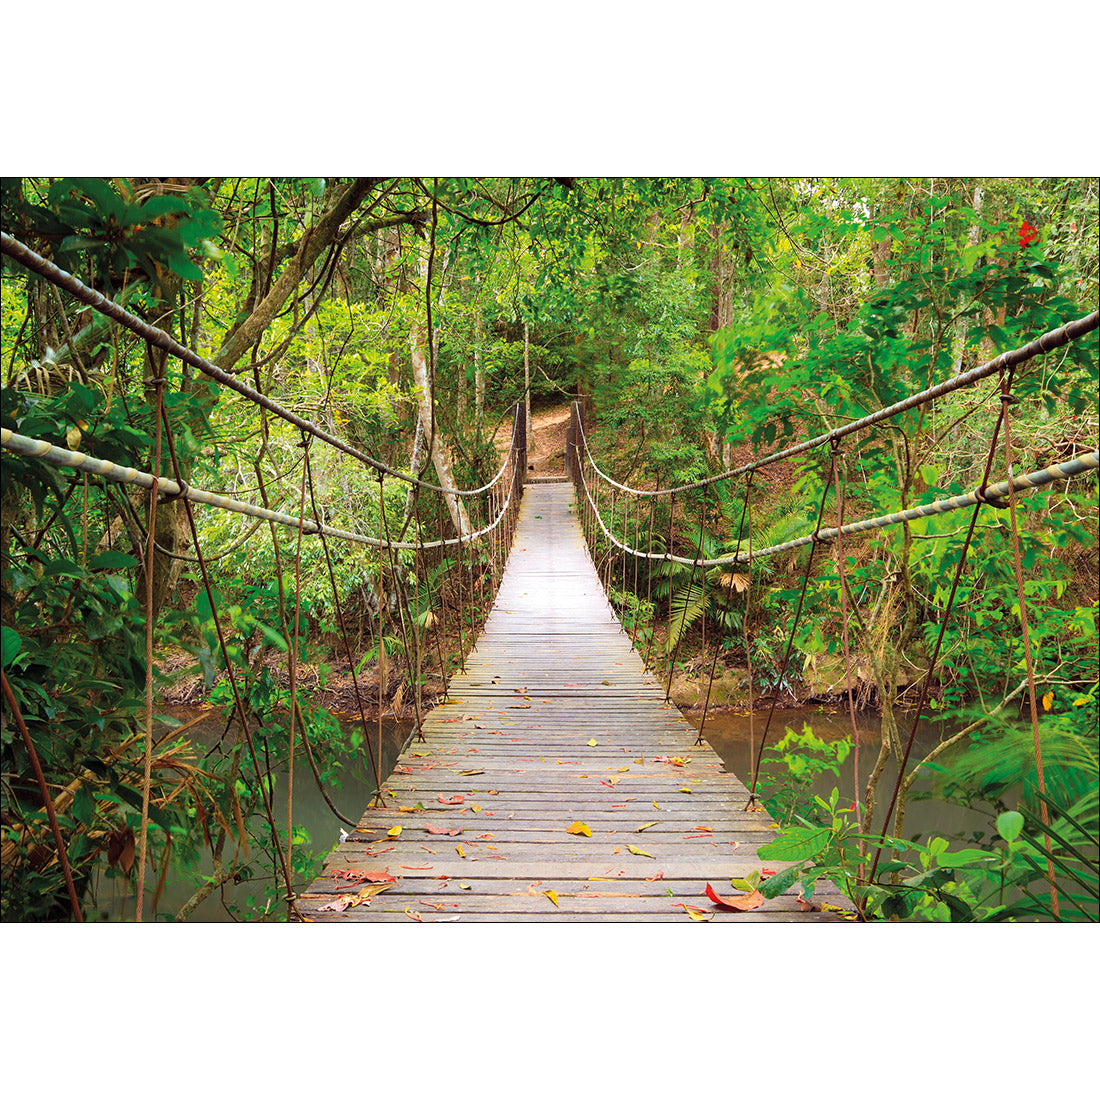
pixel 555 721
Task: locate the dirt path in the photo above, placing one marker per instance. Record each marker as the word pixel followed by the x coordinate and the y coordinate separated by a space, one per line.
pixel 546 442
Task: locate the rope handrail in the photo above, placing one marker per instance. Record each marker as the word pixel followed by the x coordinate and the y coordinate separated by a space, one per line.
pixel 1055 338
pixel 171 489
pixel 161 339
pixel 1038 478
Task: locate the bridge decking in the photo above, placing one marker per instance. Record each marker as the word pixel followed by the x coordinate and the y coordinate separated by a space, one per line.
pixel 554 721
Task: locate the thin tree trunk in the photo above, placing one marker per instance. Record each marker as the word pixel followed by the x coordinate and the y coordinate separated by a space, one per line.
pixel 479 382
pixel 441 459
pixel 527 373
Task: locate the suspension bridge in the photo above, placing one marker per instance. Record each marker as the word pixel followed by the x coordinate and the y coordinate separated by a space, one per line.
pixel 556 781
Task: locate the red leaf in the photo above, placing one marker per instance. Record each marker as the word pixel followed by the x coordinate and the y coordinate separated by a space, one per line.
pixel 454 800
pixel 437 831
pixel 739 904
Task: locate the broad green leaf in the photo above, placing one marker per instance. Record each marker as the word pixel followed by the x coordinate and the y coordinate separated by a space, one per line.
pixel 112 559
pixel 1010 824
pixel 10 647
pixel 796 843
pixel 777 884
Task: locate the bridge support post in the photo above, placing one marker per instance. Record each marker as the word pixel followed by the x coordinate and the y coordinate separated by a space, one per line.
pixel 519 415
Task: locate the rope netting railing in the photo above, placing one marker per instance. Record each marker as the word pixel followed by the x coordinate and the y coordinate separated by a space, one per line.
pixel 435 569
pixel 634 543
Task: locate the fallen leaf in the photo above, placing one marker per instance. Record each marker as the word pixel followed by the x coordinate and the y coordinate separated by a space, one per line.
pixel 655 806
pixel 686 790
pixel 473 771
pixel 464 886
pixel 395 831
pixel 435 830
pixel 458 848
pixel 695 912
pixel 475 807
pixel 807 906
pixel 638 852
pixel 369 891
pixel 647 825
pixel 338 905
pixel 454 800
pixel 593 742
pixel 552 896
pixel 578 828
pixel 362 876
pixel 752 900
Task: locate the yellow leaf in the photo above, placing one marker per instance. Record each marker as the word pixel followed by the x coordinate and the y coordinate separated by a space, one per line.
pixel 458 848
pixel 696 913
pixel 395 831
pixel 464 886
pixel 1047 700
pixel 475 807
pixel 647 825
pixel 655 804
pixel 578 828
pixel 593 742
pixel 685 790
pixel 638 852
pixel 625 768
pixel 551 895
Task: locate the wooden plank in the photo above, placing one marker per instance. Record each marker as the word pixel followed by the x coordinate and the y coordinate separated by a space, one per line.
pixel 509 761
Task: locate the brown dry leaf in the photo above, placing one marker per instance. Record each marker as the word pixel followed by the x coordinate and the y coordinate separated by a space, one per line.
pixel 579 828
pixel 337 905
pixel 740 904
pixel 807 906
pixel 737 581
pixel 121 848
pixel 369 892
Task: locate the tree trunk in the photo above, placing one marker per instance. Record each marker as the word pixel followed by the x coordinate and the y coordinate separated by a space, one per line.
pixel 441 459
pixel 479 382
pixel 314 241
pixel 527 373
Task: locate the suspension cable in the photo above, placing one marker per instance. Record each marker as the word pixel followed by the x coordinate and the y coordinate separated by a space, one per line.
pixel 172 489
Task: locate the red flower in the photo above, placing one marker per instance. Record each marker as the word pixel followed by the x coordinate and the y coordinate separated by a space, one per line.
pixel 1028 233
